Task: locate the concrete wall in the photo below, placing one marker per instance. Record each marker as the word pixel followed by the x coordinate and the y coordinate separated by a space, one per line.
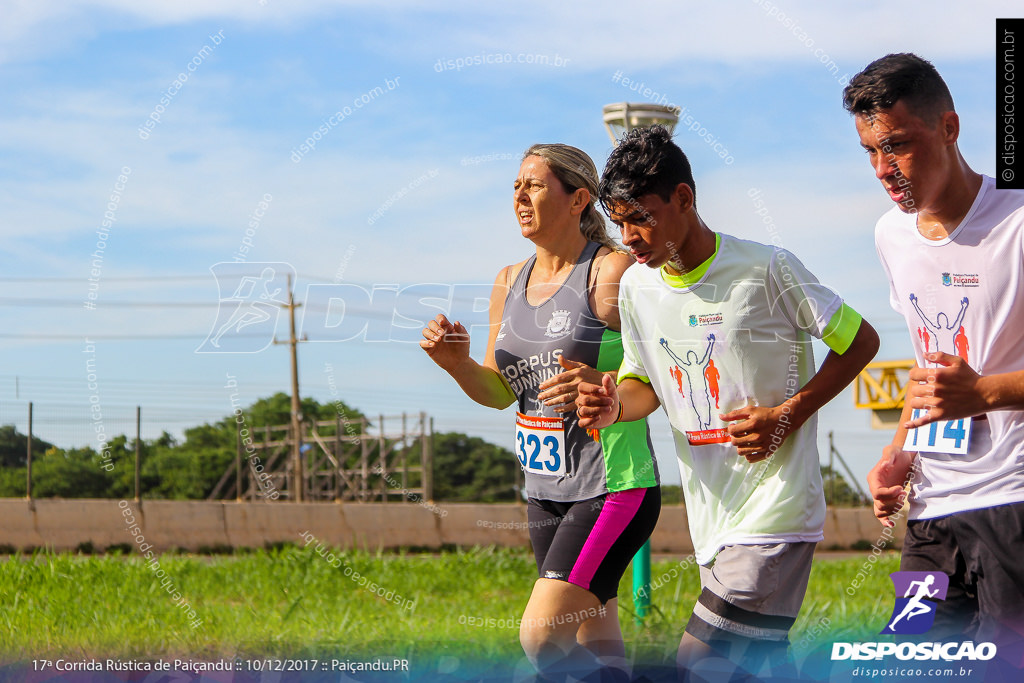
pixel 64 524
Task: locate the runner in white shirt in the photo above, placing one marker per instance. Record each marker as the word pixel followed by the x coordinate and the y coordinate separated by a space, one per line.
pixel 717 331
pixel 953 250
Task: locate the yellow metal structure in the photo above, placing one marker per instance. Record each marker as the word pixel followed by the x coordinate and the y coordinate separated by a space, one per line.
pixel 882 387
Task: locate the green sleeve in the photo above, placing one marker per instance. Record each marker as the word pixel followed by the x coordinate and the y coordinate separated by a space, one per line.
pixel 630 375
pixel 841 329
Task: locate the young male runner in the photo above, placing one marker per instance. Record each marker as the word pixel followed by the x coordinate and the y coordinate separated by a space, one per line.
pixel 953 250
pixel 750 471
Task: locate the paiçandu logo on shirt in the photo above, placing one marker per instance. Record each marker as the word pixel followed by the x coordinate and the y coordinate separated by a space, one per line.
pixel 706 319
pixel 961 280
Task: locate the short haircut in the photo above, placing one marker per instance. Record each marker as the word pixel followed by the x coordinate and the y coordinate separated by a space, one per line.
pixel 899 77
pixel 646 161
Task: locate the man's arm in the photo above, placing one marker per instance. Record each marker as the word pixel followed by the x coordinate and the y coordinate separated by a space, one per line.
pixel 887 480
pixel 955 390
pixel 758 431
pixel 598 404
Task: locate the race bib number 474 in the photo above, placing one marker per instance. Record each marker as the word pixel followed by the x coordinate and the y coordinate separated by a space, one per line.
pixel 540 444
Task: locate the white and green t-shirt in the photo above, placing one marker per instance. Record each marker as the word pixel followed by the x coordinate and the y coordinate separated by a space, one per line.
pixel 734 332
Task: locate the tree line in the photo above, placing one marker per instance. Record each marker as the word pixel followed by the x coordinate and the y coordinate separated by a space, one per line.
pixel 465 468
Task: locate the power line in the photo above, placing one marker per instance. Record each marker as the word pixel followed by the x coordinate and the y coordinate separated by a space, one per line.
pixel 161 384
pixel 111 337
pixel 68 303
pixel 107 278
pixel 146 278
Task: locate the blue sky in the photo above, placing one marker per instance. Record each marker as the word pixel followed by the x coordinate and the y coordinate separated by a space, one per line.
pixel 411 183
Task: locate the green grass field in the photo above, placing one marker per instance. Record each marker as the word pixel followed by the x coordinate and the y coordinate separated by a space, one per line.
pixel 293 602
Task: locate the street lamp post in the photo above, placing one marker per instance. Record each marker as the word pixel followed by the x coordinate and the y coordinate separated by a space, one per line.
pixel 622 117
pixel 619 119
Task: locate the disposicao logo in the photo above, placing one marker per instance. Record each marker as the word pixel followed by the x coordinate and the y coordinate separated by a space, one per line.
pixel 917 595
pixel 247 301
pixel 914 612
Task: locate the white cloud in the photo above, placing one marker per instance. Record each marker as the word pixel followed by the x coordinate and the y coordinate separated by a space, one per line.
pixel 756 34
pixel 748 34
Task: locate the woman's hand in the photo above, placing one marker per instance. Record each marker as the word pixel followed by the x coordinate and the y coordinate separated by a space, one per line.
pixel 562 389
pixel 445 343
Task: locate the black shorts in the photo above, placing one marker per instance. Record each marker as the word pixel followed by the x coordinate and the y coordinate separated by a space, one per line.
pixel 981 551
pixel 589 543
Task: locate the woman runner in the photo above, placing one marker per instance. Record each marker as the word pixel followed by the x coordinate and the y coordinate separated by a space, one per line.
pixel 593 497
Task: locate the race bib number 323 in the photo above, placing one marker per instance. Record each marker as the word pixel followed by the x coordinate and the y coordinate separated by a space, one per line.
pixel 540 444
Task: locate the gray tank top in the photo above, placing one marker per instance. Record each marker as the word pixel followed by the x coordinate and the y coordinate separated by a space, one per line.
pixel 561 460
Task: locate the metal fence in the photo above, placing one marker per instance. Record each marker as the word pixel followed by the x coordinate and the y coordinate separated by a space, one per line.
pixel 335 460
pixel 386 459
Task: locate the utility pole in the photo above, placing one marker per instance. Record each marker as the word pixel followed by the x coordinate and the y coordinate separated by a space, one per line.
pixel 298 477
pixel 138 454
pixel 832 450
pixel 28 456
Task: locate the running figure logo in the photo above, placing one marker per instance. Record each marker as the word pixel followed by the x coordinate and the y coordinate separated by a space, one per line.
pixel 711 377
pixel 922 334
pixel 700 400
pixel 677 375
pixel 247 317
pixel 961 343
pixel 948 337
pixel 914 613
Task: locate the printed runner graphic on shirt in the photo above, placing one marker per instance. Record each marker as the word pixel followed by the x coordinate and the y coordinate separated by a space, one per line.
pixel 700 392
pixel 948 436
pixel 711 376
pixel 948 337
